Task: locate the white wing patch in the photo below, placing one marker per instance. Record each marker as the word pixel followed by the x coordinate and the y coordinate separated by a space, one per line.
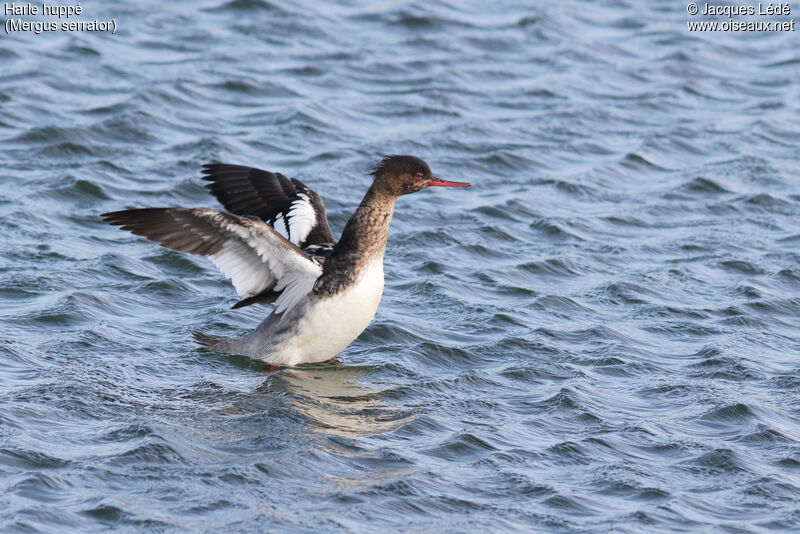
pixel 246 270
pixel 294 272
pixel 279 224
pixel 297 222
pixel 302 218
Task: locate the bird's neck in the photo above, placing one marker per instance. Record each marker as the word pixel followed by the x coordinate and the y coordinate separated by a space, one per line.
pixel 365 234
pixel 363 242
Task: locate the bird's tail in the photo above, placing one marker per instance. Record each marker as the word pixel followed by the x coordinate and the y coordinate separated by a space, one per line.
pixel 207 340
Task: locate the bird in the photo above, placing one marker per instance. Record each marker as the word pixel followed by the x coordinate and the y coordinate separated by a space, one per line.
pixel 276 246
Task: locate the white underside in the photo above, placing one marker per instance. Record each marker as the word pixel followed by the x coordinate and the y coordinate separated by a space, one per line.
pixel 330 324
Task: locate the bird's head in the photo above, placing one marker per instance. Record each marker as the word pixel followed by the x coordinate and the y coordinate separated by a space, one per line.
pixel 401 175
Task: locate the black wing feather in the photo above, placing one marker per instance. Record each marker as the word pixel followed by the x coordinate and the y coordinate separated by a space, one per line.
pixel 267 195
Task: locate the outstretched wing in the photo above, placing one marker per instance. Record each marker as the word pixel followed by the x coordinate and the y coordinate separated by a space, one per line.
pixel 254 256
pixel 292 209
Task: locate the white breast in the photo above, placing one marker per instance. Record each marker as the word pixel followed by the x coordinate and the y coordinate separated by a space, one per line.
pixel 330 324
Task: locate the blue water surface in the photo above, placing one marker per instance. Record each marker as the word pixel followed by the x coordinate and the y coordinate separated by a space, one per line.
pixel 600 336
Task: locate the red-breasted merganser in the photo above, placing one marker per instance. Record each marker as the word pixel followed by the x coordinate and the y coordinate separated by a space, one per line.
pixel 276 247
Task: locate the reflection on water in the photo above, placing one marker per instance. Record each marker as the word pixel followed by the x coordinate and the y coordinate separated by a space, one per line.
pixel 335 401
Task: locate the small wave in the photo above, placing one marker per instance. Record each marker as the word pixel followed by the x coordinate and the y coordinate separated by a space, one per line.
pixel 717 461
pixel 149 454
pixel 246 5
pixel 30 459
pixel 552 267
pixel 461 447
pixel 702 186
pixel 741 266
pixel 635 161
pixel 730 414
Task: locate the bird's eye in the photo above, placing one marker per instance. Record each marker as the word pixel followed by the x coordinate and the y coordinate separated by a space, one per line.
pixel 418 175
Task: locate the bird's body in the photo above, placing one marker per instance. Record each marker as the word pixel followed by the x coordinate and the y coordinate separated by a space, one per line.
pixel 277 248
pixel 318 328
